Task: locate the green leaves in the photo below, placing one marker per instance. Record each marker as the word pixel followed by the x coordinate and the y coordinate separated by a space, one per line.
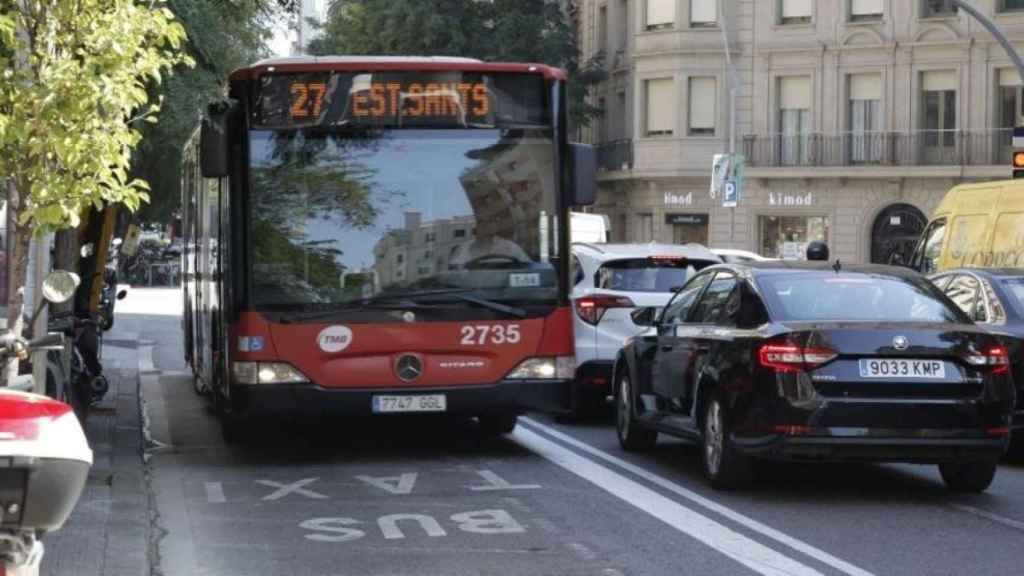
pixel 494 30
pixel 77 74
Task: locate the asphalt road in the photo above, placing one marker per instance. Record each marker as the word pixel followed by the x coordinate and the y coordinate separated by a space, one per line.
pixel 431 497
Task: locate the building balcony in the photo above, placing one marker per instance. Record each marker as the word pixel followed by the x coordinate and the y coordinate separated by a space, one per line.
pixel 615 156
pixel 921 148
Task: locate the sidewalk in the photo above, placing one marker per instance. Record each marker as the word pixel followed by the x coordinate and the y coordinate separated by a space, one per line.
pixel 109 533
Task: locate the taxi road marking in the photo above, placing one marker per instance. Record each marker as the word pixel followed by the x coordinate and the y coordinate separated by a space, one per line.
pixel 402 484
pixel 297 487
pixel 746 521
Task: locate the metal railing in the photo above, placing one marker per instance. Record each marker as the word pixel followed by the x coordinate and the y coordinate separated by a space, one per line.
pixel 615 155
pixel 914 148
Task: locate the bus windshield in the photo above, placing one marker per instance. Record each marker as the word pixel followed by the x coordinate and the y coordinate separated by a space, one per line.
pixel 339 217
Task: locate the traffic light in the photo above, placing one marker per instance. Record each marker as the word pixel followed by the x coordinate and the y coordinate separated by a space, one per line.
pixel 1018 164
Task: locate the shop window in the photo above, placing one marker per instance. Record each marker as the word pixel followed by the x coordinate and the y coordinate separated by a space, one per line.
pixel 786 237
pixel 795 11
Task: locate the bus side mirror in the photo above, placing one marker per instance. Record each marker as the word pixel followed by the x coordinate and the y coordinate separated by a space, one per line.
pixel 213 142
pixel 584 174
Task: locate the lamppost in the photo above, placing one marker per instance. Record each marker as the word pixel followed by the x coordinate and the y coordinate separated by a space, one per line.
pixel 995 31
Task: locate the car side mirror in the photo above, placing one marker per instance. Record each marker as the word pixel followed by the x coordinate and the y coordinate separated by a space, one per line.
pixel 647 316
pixel 213 142
pixel 584 175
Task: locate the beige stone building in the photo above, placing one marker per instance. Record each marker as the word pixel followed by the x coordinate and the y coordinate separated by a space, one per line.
pixel 855 117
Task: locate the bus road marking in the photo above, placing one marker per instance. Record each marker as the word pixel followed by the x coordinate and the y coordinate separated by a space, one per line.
pixel 297 487
pixel 338 530
pixel 402 484
pixel 495 482
pixel 708 504
pixel 215 493
pixel 744 550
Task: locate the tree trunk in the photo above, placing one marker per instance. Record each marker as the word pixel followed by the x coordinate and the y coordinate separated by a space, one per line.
pixel 18 239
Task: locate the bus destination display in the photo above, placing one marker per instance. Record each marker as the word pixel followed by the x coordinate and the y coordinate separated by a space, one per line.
pixel 398 99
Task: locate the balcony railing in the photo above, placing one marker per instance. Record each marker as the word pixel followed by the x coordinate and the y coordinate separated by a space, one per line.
pixel 915 148
pixel 615 155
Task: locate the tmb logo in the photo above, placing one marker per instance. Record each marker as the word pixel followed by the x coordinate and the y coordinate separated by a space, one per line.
pixel 335 338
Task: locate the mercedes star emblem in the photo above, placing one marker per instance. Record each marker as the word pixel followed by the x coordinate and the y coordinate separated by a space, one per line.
pixel 408 368
pixel 900 343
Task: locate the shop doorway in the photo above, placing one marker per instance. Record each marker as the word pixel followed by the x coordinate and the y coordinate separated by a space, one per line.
pixel 688 228
pixel 896 233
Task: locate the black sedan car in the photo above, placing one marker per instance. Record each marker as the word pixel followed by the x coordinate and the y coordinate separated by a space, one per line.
pixel 811 362
pixel 994 299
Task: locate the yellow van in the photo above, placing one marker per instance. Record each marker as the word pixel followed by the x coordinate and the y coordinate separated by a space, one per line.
pixel 976 225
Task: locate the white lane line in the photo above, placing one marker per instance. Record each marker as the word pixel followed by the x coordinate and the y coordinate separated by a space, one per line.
pixel 746 551
pixel 1008 522
pixel 746 521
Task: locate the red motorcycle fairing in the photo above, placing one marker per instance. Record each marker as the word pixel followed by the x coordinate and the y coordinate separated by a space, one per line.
pixel 339 355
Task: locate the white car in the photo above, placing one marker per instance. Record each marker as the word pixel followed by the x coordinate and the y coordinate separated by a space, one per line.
pixel 733 256
pixel 610 282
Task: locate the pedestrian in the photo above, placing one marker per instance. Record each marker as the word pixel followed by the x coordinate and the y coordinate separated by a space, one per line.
pixel 818 251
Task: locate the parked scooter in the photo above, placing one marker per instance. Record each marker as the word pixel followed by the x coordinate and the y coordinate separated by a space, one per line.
pixel 109 294
pixel 47 455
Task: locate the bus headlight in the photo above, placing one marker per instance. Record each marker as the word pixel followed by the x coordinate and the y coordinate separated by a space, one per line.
pixel 267 373
pixel 544 368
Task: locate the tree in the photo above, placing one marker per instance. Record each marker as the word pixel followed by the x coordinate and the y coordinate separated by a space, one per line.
pixel 74 92
pixel 223 35
pixel 508 30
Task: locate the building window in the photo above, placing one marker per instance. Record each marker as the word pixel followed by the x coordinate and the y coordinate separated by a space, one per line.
pixel 937 8
pixel 865 10
pixel 865 139
pixel 703 13
pixel 431 237
pixel 619 118
pixel 428 255
pixel 703 97
pixel 786 237
pixel 602 29
pixel 660 14
pixel 602 121
pixel 1009 108
pixel 938 103
pixel 460 233
pixel 1011 5
pixel 399 258
pixel 794 120
pixel 661 107
pixel 795 11
pixel 645 232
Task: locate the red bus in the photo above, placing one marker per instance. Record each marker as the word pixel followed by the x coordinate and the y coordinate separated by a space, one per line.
pixel 383 236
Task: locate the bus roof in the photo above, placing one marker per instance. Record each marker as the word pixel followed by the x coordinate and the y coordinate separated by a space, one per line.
pixel 383 63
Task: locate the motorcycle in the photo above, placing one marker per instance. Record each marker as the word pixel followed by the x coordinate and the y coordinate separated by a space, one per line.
pixel 46 451
pixel 109 295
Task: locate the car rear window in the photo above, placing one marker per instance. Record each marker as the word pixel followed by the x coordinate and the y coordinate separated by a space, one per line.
pixel 814 296
pixel 1015 286
pixel 647 274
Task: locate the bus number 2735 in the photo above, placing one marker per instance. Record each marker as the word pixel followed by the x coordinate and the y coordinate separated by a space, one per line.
pixel 498 334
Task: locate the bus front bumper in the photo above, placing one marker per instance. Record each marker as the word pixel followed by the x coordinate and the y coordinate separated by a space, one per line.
pixel 307 400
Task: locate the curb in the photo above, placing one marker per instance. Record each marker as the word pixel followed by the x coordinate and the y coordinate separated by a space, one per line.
pixel 128 530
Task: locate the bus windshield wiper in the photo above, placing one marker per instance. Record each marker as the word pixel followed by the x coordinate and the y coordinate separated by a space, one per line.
pixel 408 301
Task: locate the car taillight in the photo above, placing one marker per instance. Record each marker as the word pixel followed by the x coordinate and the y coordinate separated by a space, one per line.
pixel 793 358
pixel 591 309
pixel 995 358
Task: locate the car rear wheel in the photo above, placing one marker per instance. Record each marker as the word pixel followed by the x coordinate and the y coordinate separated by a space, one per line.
pixel 724 467
pixel 968 476
pixel 632 435
pixel 497 424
